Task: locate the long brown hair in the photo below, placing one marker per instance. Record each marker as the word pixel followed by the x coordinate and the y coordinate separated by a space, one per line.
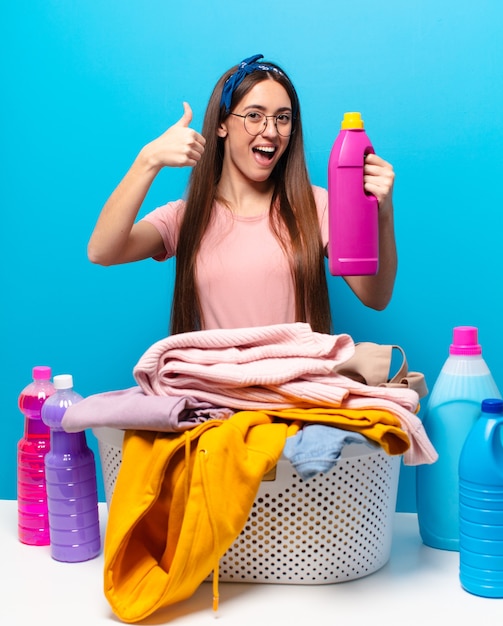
pixel 293 215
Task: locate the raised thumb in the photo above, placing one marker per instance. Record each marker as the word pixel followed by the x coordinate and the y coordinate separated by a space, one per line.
pixel 186 118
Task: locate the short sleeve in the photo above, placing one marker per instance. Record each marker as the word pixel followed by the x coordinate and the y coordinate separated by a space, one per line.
pixel 167 220
pixel 321 199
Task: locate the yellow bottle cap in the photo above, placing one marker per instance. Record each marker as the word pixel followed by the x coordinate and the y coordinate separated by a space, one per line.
pixel 352 120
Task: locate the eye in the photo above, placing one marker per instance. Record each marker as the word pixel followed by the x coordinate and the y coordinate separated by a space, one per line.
pixel 284 118
pixel 255 116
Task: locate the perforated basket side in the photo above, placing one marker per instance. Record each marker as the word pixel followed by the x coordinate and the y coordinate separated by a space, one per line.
pixel 110 450
pixel 334 527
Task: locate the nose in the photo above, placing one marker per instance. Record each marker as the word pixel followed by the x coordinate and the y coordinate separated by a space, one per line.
pixel 269 128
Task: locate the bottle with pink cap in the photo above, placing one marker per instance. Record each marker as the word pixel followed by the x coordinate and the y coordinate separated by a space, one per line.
pixel 452 409
pixel 33 519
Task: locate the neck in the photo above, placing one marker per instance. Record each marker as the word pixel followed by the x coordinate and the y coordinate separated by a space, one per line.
pixel 246 198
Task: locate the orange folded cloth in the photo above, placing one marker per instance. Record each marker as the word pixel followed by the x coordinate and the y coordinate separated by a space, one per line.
pixel 378 425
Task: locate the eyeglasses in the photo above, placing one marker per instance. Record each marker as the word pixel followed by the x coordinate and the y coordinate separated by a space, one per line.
pixel 256 122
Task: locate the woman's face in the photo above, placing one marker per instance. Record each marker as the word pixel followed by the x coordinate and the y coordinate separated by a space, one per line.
pixel 254 157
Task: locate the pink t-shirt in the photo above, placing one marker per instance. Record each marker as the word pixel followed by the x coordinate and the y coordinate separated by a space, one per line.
pixel 243 276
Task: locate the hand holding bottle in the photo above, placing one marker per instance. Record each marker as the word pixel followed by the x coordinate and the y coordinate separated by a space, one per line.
pixel 378 180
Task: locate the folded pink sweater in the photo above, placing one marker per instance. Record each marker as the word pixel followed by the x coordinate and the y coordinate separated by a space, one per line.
pixel 273 367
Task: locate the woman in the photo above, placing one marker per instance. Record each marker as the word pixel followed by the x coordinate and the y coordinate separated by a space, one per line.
pixel 250 238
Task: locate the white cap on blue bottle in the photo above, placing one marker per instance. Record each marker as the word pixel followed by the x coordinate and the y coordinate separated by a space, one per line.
pixel 63 381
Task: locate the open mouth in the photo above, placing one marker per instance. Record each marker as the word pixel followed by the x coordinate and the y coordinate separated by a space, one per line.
pixel 265 152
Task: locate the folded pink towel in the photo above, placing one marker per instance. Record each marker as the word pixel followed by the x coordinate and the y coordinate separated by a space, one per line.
pixel 241 357
pixel 272 367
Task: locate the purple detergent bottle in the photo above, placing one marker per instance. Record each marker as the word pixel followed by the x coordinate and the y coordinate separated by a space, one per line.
pixel 33 519
pixel 70 470
pixel 353 242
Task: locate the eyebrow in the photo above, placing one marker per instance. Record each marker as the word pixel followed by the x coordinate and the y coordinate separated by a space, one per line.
pixel 259 107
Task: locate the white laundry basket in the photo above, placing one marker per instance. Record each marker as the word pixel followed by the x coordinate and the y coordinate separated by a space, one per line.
pixel 332 528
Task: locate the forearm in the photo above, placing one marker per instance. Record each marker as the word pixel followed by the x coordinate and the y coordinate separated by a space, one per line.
pixel 116 238
pixel 109 241
pixel 376 291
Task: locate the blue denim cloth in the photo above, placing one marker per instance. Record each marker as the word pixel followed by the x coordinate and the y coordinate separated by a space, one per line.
pixel 317 448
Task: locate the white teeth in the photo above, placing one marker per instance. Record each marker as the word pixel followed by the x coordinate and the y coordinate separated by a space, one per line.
pixel 265 148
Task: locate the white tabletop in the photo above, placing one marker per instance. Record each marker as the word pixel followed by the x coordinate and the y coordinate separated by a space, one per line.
pixel 419 585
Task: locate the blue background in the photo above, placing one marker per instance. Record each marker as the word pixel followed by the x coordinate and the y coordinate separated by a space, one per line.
pixel 85 84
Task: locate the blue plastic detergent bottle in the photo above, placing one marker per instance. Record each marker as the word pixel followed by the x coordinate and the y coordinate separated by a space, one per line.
pixel 481 504
pixel 451 411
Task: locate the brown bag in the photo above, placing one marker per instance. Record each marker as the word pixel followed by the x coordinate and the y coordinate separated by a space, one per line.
pixel 371 365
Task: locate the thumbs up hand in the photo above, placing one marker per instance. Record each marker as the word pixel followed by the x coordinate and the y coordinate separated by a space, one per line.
pixel 179 146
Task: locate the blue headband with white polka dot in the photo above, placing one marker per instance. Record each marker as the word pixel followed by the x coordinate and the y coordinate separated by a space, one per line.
pixel 246 67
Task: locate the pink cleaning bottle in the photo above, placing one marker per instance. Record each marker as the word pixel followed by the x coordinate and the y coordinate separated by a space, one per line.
pixel 33 516
pixel 353 243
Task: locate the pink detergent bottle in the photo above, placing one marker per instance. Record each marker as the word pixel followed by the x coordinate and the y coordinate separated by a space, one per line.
pixel 33 516
pixel 353 242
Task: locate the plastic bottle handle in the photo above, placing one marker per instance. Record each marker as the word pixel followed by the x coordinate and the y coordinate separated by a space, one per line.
pixel 496 443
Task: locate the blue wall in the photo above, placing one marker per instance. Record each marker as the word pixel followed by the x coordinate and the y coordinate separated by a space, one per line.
pixel 86 83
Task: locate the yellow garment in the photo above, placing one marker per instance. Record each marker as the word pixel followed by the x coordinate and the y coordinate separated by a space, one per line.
pixel 377 425
pixel 172 518
pixel 181 500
